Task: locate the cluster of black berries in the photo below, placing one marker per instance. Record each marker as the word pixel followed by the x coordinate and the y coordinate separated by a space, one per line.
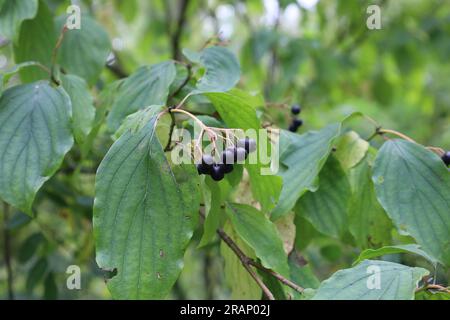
pixel 296 123
pixel 446 158
pixel 229 156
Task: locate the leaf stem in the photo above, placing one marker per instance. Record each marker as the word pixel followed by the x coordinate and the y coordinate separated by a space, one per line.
pixel 401 135
pixel 55 53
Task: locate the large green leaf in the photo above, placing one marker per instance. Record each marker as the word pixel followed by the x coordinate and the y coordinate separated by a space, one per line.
pixel 84 51
pixel 144 214
pixel 37 38
pixel 35 134
pixel 12 13
pixel 350 149
pixel 401 248
pixel 242 285
pixel 327 207
pixel 413 186
pixel 303 155
pixel 222 69
pixel 396 282
pixel 261 235
pixel 149 85
pixel 368 223
pixel 83 109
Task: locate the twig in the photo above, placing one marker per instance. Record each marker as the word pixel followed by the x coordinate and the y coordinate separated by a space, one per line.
pixel 245 262
pixel 278 276
pixel 55 53
pixel 433 287
pixel 175 41
pixel 172 127
pixel 7 251
pixel 401 135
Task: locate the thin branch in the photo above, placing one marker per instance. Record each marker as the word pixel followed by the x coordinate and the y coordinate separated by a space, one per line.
pixel 176 36
pixel 245 262
pixel 278 276
pixel 172 127
pixel 7 251
pixel 401 135
pixel 55 53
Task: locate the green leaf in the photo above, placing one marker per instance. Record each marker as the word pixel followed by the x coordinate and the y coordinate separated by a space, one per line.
pixel 432 295
pixel 83 51
pixel 350 149
pixel 222 69
pixel 327 207
pixel 405 248
pixel 12 13
pixel 368 223
pixel 303 155
pixel 36 273
pixel 144 215
pixel 259 233
pixel 83 110
pixel 397 282
pixel 242 285
pixel 7 74
pixel 35 134
pixel 149 85
pixel 29 247
pixel 413 186
pixel 235 109
pixel 37 39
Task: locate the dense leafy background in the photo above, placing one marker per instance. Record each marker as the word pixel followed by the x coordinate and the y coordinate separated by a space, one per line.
pixel 321 56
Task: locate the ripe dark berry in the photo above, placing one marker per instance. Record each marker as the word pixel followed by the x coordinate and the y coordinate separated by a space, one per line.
pixel 248 144
pixel 203 168
pixel 217 172
pixel 295 109
pixel 207 159
pixel 241 154
pixel 297 122
pixel 446 158
pixel 228 156
pixel 293 128
pixel 228 168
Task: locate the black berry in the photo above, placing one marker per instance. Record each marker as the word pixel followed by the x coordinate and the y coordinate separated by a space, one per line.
pixel 446 158
pixel 297 122
pixel 292 128
pixel 217 172
pixel 241 154
pixel 248 144
pixel 207 159
pixel 228 156
pixel 295 109
pixel 203 168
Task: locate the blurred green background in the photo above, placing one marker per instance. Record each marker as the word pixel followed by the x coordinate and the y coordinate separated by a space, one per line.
pixel 317 53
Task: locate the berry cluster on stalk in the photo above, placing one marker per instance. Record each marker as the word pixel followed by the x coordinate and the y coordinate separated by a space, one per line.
pixel 229 157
